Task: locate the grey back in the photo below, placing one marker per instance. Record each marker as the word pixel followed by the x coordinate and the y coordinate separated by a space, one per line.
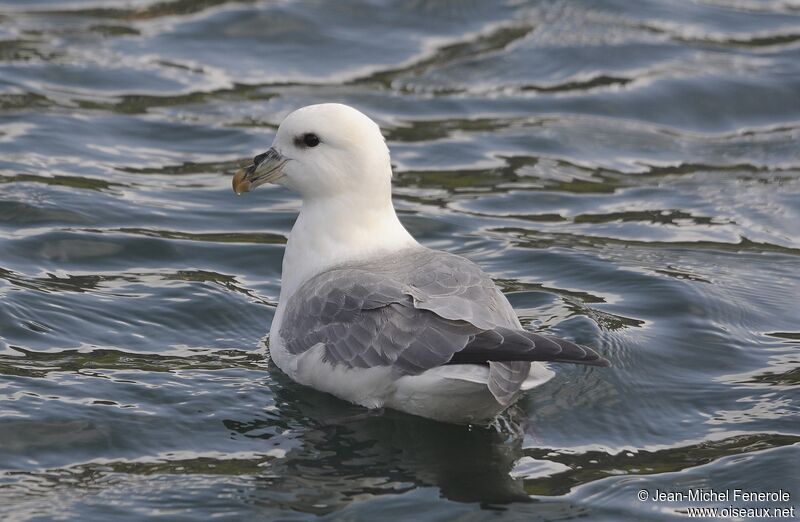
pixel 411 311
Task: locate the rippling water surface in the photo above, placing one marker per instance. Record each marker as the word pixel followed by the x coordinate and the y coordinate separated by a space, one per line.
pixel 629 173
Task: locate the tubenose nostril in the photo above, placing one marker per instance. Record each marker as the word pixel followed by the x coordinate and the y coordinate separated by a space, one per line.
pixel 258 159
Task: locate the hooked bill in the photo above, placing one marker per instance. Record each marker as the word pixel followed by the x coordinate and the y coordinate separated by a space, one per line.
pixel 240 182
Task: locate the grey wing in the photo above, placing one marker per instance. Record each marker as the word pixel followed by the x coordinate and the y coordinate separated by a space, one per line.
pixel 455 288
pixel 366 320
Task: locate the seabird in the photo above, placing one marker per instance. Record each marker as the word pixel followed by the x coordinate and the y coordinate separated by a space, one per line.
pixel 368 314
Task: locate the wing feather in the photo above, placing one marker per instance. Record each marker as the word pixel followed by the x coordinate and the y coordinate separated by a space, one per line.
pixel 418 318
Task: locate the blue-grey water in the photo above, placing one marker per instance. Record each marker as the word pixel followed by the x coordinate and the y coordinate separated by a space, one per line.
pixel 628 172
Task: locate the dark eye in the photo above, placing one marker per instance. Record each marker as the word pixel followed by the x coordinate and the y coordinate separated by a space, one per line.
pixel 307 140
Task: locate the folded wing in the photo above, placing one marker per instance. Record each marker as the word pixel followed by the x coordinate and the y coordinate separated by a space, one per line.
pixel 366 318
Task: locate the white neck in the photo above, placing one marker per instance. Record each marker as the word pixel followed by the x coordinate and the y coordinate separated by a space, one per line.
pixel 333 230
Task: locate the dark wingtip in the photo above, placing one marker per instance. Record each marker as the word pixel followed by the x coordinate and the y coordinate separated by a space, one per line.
pixel 505 345
pixel 601 362
pixel 579 354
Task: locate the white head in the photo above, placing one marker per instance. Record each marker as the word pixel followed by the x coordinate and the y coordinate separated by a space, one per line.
pixel 323 151
pixel 336 158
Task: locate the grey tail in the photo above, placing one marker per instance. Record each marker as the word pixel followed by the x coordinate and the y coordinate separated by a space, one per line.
pixel 508 345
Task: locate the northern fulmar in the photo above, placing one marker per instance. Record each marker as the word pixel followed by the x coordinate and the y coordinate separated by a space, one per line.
pixel 368 314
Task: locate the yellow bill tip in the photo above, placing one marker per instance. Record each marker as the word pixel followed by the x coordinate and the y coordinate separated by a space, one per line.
pixel 240 182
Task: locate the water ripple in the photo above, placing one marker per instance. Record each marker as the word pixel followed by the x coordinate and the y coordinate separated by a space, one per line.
pixel 628 174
